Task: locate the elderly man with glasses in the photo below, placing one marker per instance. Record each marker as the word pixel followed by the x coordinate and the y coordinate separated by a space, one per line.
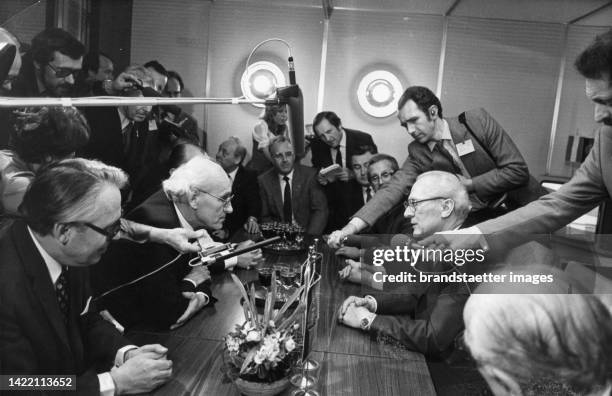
pixel 49 323
pixel 424 317
pixel 196 196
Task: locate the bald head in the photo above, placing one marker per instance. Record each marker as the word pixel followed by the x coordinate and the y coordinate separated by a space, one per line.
pixel 519 339
pixel 440 203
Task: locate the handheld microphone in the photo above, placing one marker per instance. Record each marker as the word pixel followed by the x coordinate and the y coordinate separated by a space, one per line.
pixel 224 252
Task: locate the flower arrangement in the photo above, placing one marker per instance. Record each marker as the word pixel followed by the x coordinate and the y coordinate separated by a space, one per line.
pixel 265 347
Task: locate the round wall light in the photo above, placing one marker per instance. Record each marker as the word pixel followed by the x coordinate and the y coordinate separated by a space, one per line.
pixel 260 80
pixel 378 93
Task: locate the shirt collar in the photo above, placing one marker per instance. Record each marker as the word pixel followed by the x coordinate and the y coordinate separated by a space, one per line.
pixel 232 175
pixel 54 268
pixel 205 240
pixel 445 135
pixel 122 117
pixel 289 175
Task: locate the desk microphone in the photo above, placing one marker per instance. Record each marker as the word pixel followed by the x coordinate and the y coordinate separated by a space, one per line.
pixel 224 252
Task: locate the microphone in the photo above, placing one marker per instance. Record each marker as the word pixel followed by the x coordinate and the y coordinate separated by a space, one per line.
pixel 291 71
pixel 224 252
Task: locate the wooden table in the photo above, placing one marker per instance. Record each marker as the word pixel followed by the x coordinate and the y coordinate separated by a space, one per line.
pixel 351 362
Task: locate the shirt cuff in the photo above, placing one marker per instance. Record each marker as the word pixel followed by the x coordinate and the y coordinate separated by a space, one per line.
pixel 107 385
pixel 190 281
pixel 231 262
pixel 371 316
pixel 120 356
pixel 206 298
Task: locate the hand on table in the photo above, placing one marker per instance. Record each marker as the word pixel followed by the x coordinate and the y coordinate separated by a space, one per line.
pixel 356 301
pixel 251 226
pixel 249 259
pixel 353 316
pixel 352 272
pixel 197 301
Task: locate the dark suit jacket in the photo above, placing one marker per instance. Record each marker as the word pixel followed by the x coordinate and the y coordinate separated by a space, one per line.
pixel 591 184
pixel 508 172
pixel 142 162
pixel 156 300
pixel 307 199
pixel 344 198
pixel 33 336
pixel 246 201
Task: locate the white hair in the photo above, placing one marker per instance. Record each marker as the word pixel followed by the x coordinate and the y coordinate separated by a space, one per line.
pixel 197 172
pixel 449 185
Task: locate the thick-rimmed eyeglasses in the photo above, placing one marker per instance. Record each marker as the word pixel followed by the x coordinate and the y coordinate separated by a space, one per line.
pixel 226 201
pixel 62 72
pixel 109 232
pixel 412 203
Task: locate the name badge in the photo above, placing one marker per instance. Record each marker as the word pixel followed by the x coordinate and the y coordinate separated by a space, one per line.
pixel 465 147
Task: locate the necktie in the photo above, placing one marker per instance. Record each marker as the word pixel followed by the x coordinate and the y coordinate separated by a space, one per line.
pixel 61 291
pixel 287 212
pixel 368 194
pixel 452 166
pixel 129 137
pixel 338 156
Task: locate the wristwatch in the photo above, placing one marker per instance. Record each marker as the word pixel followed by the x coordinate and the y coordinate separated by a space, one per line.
pixel 365 323
pixel 344 239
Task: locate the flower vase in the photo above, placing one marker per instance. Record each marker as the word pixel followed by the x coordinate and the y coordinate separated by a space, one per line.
pixel 251 388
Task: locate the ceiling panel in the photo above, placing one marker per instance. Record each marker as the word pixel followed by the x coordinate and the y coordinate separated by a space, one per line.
pixel 435 7
pixel 558 11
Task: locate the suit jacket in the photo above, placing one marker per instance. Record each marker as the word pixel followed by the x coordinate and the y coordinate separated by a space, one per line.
pixel 156 300
pixel 344 198
pixel 490 179
pixel 590 185
pixel 246 201
pixel 33 336
pixel 141 163
pixel 307 199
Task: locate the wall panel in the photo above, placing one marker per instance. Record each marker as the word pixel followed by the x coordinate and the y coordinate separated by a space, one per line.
pixel 236 28
pixel 359 42
pixel 511 69
pixel 176 34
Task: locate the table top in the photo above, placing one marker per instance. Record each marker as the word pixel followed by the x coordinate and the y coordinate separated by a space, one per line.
pixel 351 362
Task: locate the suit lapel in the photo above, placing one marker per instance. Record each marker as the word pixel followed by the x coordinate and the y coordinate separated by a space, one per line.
pixel 296 190
pixel 606 157
pixel 42 286
pixel 238 180
pixel 476 162
pixel 277 193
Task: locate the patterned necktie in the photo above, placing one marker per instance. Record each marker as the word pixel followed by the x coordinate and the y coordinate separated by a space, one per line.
pixel 368 194
pixel 61 291
pixel 287 212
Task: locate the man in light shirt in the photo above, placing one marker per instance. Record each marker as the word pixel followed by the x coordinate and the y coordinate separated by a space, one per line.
pixel 48 325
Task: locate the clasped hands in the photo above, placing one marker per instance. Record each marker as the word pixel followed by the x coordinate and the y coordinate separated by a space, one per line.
pixel 143 370
pixel 354 309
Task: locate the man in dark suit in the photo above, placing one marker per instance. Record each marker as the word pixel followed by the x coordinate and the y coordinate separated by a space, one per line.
pixel 484 157
pixel 196 196
pixel 290 192
pixel 335 144
pixel 72 211
pixel 246 202
pixel 591 184
pixel 424 317
pixel 125 137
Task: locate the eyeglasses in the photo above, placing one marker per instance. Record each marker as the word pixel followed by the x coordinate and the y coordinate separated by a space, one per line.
pixel 412 203
pixel 281 156
pixel 109 232
pixel 226 201
pixel 382 176
pixel 62 72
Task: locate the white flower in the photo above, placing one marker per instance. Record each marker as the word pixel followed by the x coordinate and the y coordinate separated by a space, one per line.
pixel 232 344
pixel 253 335
pixel 289 345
